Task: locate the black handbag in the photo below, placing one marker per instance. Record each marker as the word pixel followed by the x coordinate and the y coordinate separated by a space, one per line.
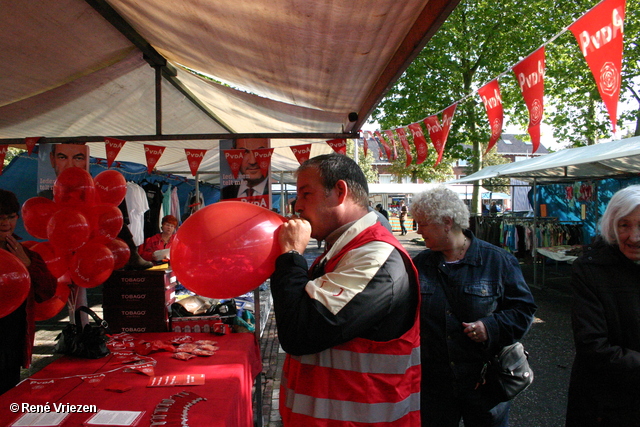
pixel 89 342
pixel 508 373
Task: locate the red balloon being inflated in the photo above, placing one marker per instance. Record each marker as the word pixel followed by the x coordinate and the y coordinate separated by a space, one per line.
pixel 226 249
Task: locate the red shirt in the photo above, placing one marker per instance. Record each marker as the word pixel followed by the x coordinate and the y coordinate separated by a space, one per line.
pixel 152 244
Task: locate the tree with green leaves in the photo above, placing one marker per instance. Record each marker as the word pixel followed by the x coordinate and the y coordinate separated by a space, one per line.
pixel 482 40
pixel 365 162
pixel 11 153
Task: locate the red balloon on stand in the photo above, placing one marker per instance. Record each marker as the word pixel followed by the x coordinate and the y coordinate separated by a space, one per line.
pixel 47 309
pixel 74 187
pixel 226 249
pixel 91 265
pixel 120 251
pixel 36 213
pixel 68 229
pixel 106 222
pixel 15 283
pixel 111 187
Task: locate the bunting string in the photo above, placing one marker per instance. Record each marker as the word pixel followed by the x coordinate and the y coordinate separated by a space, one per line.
pixel 601 26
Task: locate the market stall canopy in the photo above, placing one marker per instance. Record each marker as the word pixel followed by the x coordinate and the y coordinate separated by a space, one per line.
pixel 616 159
pixel 297 71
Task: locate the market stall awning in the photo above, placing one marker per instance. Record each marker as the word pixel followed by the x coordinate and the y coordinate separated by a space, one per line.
pixel 614 159
pixel 124 69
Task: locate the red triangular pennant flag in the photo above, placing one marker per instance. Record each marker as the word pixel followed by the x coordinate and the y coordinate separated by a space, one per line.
pixel 405 144
pixel 39 385
pixel 31 142
pixel 194 158
pixel 420 142
pixel 153 154
pixel 143 368
pixel 263 158
pixel 93 379
pixel 3 154
pixel 338 145
pixel 302 152
pixel 112 147
pixel 392 140
pixel 440 132
pixel 492 100
pixel 365 144
pixel 530 75
pixel 386 147
pixel 599 34
pixel 234 159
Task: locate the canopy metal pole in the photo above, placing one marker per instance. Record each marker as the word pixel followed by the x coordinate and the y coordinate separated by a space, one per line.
pixel 282 194
pixel 198 191
pixel 158 100
pixel 180 137
pixel 535 232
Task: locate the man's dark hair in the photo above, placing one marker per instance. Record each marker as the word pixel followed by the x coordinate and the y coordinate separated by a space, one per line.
pixel 8 203
pixel 334 167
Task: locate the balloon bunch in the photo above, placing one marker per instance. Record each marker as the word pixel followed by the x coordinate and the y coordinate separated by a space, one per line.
pixel 81 225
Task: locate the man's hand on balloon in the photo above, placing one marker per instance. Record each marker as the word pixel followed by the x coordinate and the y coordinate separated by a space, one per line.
pixel 294 235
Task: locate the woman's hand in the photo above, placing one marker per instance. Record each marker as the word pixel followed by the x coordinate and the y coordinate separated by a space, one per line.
pixel 476 331
pixel 294 235
pixel 14 247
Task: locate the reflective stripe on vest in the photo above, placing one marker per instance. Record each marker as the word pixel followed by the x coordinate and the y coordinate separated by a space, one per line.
pixel 367 363
pixel 341 410
pixel 361 363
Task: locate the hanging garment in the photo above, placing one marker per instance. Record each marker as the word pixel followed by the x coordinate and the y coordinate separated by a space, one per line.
pixel 137 205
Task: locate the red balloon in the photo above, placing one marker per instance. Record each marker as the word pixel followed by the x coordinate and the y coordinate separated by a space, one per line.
pixel 106 222
pixel 15 283
pixel 47 309
pixel 74 187
pixel 226 249
pixel 91 265
pixel 57 262
pixel 121 252
pixel 68 229
pixel 111 187
pixel 36 213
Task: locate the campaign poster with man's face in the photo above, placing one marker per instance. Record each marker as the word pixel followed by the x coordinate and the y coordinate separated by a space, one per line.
pixel 245 168
pixel 54 158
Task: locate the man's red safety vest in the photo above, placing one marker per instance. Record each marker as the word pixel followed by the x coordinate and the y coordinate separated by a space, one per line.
pixel 361 382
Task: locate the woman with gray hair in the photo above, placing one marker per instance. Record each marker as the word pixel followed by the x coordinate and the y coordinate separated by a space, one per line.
pixel 604 389
pixel 474 302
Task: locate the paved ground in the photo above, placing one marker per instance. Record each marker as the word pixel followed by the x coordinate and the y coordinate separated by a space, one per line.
pixel 549 343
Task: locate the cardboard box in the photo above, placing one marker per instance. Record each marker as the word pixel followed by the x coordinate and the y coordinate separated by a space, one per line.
pixel 138 301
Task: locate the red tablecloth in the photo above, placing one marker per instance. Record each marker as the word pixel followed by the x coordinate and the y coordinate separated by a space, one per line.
pixel 229 376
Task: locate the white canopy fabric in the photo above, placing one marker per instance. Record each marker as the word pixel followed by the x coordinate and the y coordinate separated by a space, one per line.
pixel 605 160
pixel 87 69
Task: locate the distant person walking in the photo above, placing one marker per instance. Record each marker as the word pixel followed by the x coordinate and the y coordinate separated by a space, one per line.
pixel 383 211
pixel 403 218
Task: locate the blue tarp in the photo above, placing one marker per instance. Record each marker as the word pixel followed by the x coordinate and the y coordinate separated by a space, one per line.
pixel 594 195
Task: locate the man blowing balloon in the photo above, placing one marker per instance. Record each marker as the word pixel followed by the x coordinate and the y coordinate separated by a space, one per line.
pixel 349 325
